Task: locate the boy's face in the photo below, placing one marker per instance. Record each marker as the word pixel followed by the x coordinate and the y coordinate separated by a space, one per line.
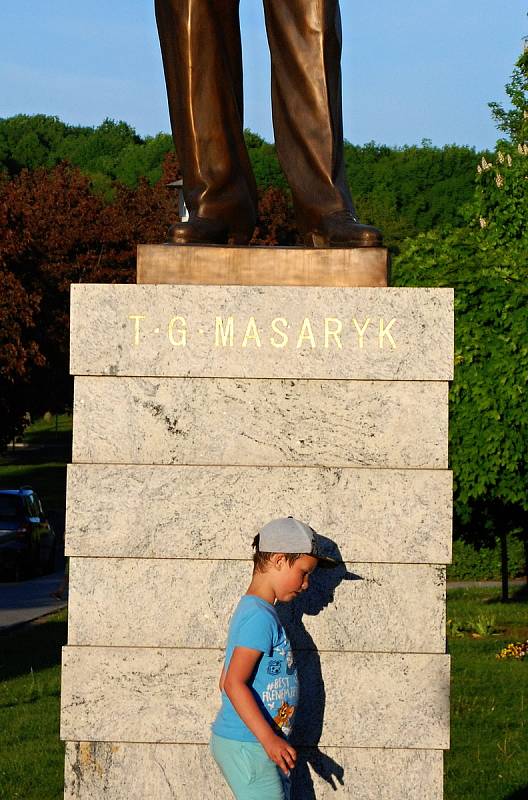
pixel 289 580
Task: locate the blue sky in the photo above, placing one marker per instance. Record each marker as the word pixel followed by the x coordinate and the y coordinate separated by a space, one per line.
pixel 412 69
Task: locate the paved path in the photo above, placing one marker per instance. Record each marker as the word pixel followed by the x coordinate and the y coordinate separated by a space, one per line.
pixel 26 600
pixel 484 584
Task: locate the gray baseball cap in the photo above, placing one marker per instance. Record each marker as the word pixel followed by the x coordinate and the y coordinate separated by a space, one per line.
pixel 290 535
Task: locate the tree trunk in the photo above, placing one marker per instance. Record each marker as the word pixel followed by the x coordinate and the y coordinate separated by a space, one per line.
pixel 504 566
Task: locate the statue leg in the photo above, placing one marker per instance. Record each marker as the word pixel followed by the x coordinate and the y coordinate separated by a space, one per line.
pixel 305 43
pixel 202 58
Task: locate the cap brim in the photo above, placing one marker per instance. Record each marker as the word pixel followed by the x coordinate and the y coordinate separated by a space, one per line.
pixel 325 562
pixel 322 546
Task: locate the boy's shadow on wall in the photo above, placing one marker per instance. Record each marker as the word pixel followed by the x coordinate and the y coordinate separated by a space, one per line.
pixel 308 724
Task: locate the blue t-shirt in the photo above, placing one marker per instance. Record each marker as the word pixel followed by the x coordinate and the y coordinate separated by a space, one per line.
pixel 275 686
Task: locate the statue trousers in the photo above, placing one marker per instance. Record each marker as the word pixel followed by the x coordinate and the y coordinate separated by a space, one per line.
pixel 202 57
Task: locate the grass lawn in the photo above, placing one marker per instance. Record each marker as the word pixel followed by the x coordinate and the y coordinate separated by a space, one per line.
pixel 31 755
pixel 489 698
pixel 489 701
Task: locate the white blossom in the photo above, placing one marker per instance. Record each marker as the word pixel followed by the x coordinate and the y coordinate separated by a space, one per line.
pixel 483 222
pixel 500 156
pixel 509 160
pixel 499 180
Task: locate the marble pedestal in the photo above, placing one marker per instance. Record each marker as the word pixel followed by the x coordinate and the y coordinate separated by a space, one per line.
pixel 201 412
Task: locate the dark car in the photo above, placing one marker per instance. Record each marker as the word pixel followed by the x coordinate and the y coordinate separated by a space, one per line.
pixel 27 540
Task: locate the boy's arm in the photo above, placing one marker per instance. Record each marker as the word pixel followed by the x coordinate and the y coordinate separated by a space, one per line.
pixel 241 668
pixel 222 679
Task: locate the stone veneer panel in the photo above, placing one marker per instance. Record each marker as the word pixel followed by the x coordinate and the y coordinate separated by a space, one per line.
pixel 396 333
pixel 368 607
pixel 203 512
pixel 152 695
pixel 256 422
pixel 120 771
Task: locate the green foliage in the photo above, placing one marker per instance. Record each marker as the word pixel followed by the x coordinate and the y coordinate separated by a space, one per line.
pixel 112 151
pixel 32 141
pixel 471 563
pixel 410 190
pixel 405 191
pixel 486 264
pixel 501 199
pixel 485 261
pixel 264 162
pixel 143 160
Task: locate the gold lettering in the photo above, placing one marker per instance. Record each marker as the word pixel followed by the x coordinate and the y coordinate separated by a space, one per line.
pixel 181 341
pixel 274 328
pixel 361 331
pixel 224 337
pixel 251 333
pixel 386 332
pixel 333 333
pixel 137 318
pixel 306 333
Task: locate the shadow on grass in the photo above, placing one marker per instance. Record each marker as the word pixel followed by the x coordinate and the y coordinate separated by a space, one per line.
pixel 36 646
pixel 59 450
pixel 520 794
pixel 518 594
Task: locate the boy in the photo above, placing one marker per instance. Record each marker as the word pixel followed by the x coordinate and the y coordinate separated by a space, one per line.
pixel 259 679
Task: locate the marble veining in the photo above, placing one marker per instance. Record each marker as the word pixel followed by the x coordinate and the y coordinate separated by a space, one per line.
pixel 203 512
pixel 188 603
pixel 121 771
pixel 389 424
pixel 171 696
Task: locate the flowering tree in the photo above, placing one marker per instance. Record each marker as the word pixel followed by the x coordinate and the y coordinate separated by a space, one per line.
pixel 486 262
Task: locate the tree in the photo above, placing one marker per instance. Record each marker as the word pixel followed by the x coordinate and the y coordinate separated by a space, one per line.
pixel 514 121
pixel 55 231
pixel 485 261
pixel 19 353
pixel 276 220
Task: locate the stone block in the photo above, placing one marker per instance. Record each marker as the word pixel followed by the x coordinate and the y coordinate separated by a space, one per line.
pixel 256 332
pixel 155 603
pixel 283 266
pixel 392 424
pixel 121 771
pixel 144 511
pixel 171 696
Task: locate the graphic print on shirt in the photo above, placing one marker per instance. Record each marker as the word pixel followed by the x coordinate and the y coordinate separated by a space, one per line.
pixel 281 693
pixel 283 717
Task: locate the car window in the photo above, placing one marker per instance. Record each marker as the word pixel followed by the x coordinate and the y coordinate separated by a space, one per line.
pixel 9 506
pixel 32 507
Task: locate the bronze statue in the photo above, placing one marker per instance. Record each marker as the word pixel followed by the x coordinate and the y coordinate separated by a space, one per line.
pixel 202 57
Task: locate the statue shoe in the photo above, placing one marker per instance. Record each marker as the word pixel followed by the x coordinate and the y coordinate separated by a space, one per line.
pixel 201 230
pixel 343 229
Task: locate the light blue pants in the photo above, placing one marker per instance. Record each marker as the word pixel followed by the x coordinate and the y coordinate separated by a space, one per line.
pixel 248 770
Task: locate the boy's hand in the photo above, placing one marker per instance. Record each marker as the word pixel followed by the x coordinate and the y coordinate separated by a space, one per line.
pixel 281 753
